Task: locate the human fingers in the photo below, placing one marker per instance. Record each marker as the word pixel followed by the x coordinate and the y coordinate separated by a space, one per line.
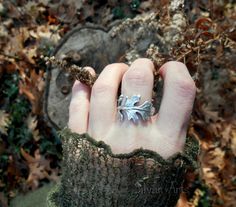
pixel 138 80
pixel 79 105
pixel 178 98
pixel 103 102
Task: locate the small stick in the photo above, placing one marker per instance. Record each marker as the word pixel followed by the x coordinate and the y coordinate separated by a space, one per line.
pixel 78 73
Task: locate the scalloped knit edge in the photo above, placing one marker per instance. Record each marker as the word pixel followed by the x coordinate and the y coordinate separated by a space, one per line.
pixel 191 148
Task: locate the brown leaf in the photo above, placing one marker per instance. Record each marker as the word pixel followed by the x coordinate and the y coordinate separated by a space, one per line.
pixel 197 196
pixel 7 66
pixel 4 121
pixel 216 158
pixel 14 173
pixel 183 202
pixel 32 87
pixel 203 23
pixel 27 157
pixel 210 116
pixel 212 181
pixel 32 126
pixel 233 142
pixel 205 35
pixel 39 168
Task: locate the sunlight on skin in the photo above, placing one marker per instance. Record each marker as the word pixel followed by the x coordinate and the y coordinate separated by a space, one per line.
pixel 126 139
pixel 93 112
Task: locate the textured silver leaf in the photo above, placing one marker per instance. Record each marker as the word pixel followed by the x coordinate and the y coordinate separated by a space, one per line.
pixel 127 108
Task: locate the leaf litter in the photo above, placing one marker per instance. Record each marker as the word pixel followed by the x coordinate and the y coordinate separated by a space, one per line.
pixel 30 30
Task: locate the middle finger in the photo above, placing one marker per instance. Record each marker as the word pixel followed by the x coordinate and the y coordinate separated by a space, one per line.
pixel 138 80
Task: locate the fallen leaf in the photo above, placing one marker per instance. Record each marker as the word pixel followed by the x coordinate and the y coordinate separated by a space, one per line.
pixel 212 181
pixel 183 202
pixel 197 196
pixel 27 157
pixel 216 158
pixel 203 23
pixel 209 115
pixel 4 121
pixel 32 87
pixel 233 142
pixel 32 126
pixel 39 168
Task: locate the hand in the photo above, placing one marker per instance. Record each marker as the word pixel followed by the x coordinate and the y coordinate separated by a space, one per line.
pixel 95 110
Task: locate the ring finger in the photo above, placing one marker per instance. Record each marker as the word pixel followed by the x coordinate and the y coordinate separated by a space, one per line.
pixel 138 80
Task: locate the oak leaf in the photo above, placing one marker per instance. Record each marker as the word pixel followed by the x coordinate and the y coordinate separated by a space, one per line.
pixel 4 121
pixel 233 142
pixel 32 126
pixel 39 169
pixel 32 86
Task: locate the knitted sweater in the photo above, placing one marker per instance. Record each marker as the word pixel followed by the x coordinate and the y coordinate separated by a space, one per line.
pixel 95 177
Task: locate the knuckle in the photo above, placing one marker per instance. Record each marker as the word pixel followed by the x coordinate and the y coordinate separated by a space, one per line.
pixel 102 88
pixel 138 78
pixel 114 65
pixel 173 67
pixel 73 108
pixel 186 87
pixel 177 74
pixel 77 104
pixel 175 64
pixel 143 61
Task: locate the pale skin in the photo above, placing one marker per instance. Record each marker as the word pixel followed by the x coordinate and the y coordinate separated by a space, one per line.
pixel 94 110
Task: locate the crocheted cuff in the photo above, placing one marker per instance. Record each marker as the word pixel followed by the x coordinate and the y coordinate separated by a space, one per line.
pixel 93 176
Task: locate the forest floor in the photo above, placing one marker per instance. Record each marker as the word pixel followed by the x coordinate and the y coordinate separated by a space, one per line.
pixel 30 153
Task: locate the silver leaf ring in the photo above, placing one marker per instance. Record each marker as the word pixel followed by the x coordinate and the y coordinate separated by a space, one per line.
pixel 128 108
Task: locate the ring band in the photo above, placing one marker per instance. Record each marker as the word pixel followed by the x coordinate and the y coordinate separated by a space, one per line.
pixel 127 108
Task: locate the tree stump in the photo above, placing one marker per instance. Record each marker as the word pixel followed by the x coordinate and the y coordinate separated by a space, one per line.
pixel 95 46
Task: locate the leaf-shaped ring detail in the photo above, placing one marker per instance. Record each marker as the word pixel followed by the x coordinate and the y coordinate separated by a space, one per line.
pixel 127 108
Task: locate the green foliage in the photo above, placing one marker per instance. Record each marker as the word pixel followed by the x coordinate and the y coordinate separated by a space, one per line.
pixel 3 159
pixel 18 107
pixel 118 13
pixel 10 86
pixel 52 147
pixel 19 110
pixel 205 198
pixel 18 133
pixel 45 48
pixel 215 74
pixel 234 181
pixel 3 11
pixel 134 5
pixel 122 11
pixel 21 134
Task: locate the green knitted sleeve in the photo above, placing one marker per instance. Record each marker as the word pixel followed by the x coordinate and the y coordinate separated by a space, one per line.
pixel 94 177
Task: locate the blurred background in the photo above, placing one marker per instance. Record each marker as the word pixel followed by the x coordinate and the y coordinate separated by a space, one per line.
pixel 33 31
